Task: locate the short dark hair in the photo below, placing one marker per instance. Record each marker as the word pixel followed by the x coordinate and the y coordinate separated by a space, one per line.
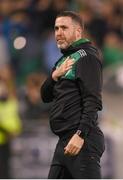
pixel 73 15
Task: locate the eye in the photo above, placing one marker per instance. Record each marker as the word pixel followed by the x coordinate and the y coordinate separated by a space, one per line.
pixel 64 27
pixel 56 28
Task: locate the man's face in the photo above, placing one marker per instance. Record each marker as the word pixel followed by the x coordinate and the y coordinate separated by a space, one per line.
pixel 65 32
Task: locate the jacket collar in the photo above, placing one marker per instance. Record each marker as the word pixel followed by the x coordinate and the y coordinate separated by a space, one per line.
pixel 80 41
pixel 75 46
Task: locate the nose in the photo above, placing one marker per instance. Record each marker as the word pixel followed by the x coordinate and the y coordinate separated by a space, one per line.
pixel 59 31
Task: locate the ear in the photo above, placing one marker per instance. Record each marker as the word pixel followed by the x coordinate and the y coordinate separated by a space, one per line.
pixel 78 33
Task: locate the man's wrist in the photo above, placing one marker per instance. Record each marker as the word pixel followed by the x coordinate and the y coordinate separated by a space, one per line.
pixel 78 132
pixel 54 77
pixel 81 133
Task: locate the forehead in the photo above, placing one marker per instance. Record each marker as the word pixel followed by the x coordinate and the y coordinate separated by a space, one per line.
pixel 63 21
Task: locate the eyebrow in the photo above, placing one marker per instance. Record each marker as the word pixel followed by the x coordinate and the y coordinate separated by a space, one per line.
pixel 62 26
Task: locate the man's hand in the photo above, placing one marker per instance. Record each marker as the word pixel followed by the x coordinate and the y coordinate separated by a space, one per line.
pixel 62 69
pixel 74 145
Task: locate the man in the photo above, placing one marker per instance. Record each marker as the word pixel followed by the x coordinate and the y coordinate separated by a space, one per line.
pixel 10 127
pixel 75 89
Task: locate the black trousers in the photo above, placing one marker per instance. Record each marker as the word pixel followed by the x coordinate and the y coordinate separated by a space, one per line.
pixel 85 165
pixel 4 161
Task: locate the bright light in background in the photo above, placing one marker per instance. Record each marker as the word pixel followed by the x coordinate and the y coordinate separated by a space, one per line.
pixel 19 42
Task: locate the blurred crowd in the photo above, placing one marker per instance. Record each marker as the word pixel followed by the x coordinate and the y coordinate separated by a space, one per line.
pixel 27 40
pixel 28 51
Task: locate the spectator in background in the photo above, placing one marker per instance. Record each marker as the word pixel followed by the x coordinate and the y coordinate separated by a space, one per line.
pixel 44 13
pixel 5 62
pixel 30 104
pixel 40 15
pixel 112 49
pixel 4 52
pixel 10 127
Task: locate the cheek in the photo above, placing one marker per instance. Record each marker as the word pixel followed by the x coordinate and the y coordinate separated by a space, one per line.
pixel 70 37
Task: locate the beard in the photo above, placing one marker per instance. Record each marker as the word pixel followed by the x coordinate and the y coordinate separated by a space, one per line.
pixel 62 44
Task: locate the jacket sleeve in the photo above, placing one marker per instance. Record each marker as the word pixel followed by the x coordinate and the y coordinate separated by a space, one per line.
pixel 89 80
pixel 46 90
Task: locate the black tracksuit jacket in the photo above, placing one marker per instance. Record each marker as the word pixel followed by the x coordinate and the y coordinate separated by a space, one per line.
pixel 76 96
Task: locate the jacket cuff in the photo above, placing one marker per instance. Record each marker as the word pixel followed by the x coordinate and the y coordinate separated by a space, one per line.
pixel 83 131
pixel 52 80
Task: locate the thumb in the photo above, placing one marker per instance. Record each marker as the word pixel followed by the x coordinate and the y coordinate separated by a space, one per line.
pixel 64 148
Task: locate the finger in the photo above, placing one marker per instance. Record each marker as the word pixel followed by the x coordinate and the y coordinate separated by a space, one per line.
pixel 69 149
pixel 67 59
pixel 66 151
pixel 69 63
pixel 75 151
pixel 68 67
pixel 72 151
pixel 70 59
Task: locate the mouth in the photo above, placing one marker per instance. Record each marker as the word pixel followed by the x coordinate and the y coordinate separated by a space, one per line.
pixel 60 40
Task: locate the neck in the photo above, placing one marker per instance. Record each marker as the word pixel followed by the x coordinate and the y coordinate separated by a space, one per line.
pixel 75 45
pixel 79 41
